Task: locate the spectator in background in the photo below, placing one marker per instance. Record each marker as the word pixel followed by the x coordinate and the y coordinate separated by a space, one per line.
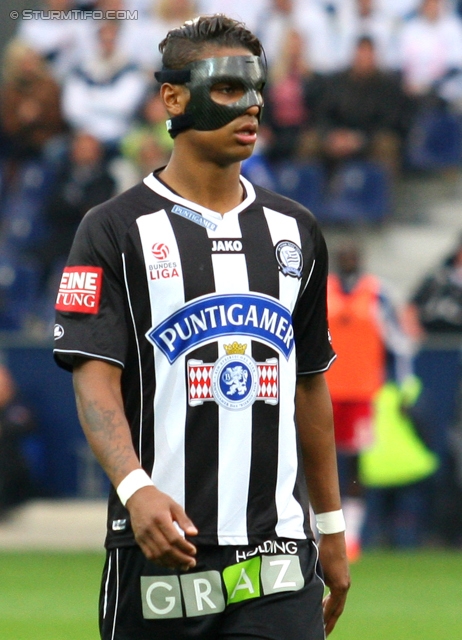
pixel 138 36
pixel 396 470
pixel 398 10
pixel 30 102
pixel 275 23
pixel 144 155
pixel 151 122
pixel 429 48
pixel 166 13
pixel 323 26
pixel 34 133
pixel 16 422
pixel 84 180
pixel 251 13
pixel 58 41
pixel 103 94
pixel 368 19
pixel 291 101
pixel 83 183
pixel 371 346
pixel 132 44
pixel 148 30
pixel 147 144
pixel 436 305
pixel 363 113
pixel 434 316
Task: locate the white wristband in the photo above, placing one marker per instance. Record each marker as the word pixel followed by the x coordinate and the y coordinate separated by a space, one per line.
pixel 135 480
pixel 330 522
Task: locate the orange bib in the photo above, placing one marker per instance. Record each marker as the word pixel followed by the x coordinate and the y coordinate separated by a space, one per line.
pixel 359 371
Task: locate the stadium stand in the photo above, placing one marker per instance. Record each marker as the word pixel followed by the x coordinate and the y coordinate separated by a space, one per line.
pixel 359 193
pixel 302 181
pixel 435 141
pixel 23 203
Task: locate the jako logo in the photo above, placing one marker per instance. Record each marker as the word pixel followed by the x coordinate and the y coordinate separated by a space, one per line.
pixel 160 250
pixel 226 245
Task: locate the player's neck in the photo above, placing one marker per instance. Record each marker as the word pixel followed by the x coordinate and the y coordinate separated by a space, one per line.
pixel 212 186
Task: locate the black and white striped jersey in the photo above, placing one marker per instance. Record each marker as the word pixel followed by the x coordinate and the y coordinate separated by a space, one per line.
pixel 211 318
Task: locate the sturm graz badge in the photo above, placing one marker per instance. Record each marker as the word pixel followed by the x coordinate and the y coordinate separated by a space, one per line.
pixel 235 379
pixel 200 375
pixel 290 258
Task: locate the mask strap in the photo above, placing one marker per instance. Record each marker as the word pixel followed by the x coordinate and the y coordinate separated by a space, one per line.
pixel 177 124
pixel 173 76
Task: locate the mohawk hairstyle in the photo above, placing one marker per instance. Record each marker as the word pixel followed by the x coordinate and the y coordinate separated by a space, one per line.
pixel 188 43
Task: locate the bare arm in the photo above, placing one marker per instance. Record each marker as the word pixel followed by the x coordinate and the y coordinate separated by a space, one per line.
pixel 315 426
pixel 152 513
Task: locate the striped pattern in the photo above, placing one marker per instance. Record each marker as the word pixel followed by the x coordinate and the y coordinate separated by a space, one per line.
pixel 235 470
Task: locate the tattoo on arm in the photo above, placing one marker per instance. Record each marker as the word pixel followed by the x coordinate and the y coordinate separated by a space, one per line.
pixel 108 435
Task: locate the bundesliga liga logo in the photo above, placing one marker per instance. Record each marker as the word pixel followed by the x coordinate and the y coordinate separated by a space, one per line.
pixel 160 250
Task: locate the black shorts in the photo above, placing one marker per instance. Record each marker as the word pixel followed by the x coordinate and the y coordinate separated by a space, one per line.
pixel 272 591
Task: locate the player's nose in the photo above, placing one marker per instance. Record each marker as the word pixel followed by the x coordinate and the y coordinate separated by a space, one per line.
pixel 254 111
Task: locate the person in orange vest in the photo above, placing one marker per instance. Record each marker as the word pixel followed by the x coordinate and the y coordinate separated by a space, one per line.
pixel 371 346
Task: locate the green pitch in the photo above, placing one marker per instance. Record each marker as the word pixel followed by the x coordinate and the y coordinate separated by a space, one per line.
pixel 49 596
pixel 395 596
pixel 404 596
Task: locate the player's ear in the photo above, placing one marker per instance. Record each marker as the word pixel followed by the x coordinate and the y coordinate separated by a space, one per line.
pixel 175 97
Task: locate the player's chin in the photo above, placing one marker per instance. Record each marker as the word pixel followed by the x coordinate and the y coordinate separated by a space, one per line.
pixel 233 156
pixel 244 151
pixel 233 151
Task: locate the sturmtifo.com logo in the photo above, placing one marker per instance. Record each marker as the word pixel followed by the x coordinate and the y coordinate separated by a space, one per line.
pixel 74 14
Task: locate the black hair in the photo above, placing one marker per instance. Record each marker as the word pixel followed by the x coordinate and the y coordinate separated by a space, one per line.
pixel 187 43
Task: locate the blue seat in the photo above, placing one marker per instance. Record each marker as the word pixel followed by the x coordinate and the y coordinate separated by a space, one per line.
pixel 23 205
pixel 359 192
pixel 435 141
pixel 259 171
pixel 302 181
pixel 19 287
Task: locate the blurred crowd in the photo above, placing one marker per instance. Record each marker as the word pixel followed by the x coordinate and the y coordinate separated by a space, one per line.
pixel 349 81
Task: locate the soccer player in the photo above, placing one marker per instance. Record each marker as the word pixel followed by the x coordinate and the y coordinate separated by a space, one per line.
pixel 192 312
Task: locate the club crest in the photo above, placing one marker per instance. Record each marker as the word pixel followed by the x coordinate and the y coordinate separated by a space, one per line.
pixel 235 381
pixel 290 258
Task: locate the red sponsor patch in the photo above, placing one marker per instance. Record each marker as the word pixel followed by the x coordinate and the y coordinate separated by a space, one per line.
pixel 80 289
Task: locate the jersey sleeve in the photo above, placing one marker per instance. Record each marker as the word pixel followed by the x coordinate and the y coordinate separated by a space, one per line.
pixel 311 331
pixel 90 304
